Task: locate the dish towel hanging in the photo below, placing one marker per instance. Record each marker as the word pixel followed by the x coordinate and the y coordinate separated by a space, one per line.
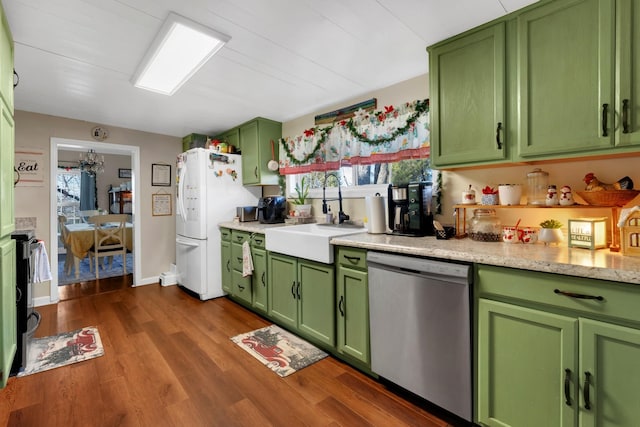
pixel 247 261
pixel 42 268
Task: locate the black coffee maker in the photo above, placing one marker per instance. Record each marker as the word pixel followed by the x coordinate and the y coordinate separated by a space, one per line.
pixel 410 209
pixel 271 209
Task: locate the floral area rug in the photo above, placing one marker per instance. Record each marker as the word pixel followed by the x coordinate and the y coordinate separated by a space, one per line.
pixel 279 350
pixel 62 349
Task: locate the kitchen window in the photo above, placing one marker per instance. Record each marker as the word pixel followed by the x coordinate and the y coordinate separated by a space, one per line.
pixel 366 180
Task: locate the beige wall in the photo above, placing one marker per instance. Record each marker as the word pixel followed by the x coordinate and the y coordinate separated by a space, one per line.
pixel 157 232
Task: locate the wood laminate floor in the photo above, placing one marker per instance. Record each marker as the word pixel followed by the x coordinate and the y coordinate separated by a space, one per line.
pixel 169 362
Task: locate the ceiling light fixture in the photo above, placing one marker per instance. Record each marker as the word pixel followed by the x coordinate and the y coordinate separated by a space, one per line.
pixel 181 47
pixel 91 163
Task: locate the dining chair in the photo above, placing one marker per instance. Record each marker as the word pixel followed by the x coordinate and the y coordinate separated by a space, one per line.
pixel 64 238
pixel 108 239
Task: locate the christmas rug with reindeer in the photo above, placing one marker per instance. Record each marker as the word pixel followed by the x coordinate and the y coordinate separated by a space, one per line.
pixel 62 349
pixel 277 349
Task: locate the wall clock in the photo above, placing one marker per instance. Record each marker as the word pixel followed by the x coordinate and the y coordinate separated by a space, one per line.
pixel 99 133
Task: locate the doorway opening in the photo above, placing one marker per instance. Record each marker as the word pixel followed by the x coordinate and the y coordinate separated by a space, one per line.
pixel 106 187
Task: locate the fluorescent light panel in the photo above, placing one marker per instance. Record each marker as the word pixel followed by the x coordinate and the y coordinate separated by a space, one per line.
pixel 179 50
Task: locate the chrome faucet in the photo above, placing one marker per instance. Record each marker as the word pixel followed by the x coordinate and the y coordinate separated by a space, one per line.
pixel 342 217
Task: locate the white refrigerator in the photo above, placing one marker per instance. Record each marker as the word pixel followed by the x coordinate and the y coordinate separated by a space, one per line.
pixel 209 188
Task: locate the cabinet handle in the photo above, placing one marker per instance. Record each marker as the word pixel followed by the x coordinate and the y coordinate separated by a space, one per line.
pixel 498 129
pixel 567 387
pixel 241 287
pixel 239 259
pixel 258 241
pixel 264 283
pixel 228 265
pixel 341 305
pixel 298 290
pixel 585 390
pixel 293 289
pixel 605 115
pixel 625 116
pixel 255 171
pixel 579 296
pixel 353 259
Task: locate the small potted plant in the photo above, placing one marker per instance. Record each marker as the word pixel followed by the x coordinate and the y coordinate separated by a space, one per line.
pixel 302 192
pixel 489 196
pixel 550 231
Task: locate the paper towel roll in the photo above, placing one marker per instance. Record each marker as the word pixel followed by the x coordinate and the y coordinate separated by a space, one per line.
pixel 376 213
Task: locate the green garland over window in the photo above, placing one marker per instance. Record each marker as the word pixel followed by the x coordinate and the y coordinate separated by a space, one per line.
pixel 421 107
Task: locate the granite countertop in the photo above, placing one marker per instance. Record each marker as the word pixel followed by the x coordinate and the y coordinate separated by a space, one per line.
pixel 599 264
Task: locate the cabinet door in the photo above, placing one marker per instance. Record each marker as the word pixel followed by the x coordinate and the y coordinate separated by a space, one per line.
pixel 610 354
pixel 627 68
pixel 353 314
pixel 259 279
pixel 241 286
pixel 225 265
pixel 250 154
pixel 8 326
pixel 522 358
pixel 565 78
pixel 6 63
pixel 232 137
pixel 282 287
pixel 316 315
pixel 7 219
pixel 468 98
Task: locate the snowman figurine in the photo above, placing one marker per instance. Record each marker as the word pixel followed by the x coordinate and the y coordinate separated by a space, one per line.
pixel 566 198
pixel 552 196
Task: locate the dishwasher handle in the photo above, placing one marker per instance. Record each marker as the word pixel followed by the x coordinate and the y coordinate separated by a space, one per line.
pixel 421 267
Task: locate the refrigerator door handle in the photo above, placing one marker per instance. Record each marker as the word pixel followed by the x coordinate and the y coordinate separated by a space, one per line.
pixel 181 210
pixel 186 243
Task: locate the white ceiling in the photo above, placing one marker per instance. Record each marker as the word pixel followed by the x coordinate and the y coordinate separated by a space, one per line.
pixel 286 58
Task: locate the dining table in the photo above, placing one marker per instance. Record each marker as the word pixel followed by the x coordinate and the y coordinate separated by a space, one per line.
pixel 80 240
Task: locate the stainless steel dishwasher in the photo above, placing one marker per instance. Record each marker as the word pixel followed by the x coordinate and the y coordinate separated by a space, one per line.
pixel 420 319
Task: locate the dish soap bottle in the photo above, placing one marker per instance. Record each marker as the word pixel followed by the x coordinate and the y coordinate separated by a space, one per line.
pixel 329 217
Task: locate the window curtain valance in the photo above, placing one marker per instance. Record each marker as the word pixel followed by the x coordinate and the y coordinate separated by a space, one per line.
pixel 394 134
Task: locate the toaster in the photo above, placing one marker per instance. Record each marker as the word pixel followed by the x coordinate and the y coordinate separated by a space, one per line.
pixel 247 213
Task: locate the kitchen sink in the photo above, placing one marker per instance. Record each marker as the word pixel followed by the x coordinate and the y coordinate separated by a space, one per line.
pixel 308 241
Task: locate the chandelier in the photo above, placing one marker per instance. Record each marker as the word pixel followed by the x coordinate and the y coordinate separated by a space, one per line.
pixel 91 164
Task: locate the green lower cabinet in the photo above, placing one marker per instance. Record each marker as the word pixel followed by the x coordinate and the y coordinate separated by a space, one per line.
pixel 259 281
pixel 542 369
pixel 301 296
pixel 522 357
pixel 353 314
pixel 8 327
pixel 610 357
pixel 225 265
pixel 241 286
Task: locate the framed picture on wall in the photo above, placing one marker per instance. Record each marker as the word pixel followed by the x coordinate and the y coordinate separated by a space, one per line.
pixel 124 173
pixel 160 204
pixel 160 175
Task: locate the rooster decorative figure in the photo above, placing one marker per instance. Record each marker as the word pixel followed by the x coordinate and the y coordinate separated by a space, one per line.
pixel 593 184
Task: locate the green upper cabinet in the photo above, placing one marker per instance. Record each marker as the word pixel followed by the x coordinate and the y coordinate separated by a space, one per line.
pixel 565 61
pixel 7 217
pixel 627 101
pixel 256 139
pixel 231 137
pixel 467 81
pixel 6 63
